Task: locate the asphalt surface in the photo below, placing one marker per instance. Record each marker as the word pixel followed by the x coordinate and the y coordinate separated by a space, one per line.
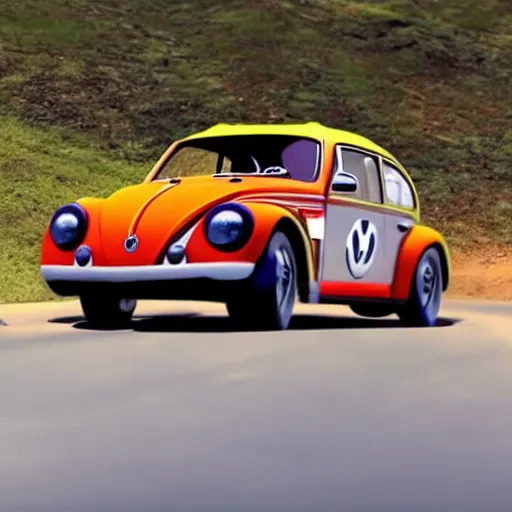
pixel 180 413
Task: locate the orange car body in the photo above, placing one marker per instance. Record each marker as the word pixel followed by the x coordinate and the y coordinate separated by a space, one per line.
pixel 318 221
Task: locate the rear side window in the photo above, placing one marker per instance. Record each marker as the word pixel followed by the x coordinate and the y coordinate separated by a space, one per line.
pixel 398 190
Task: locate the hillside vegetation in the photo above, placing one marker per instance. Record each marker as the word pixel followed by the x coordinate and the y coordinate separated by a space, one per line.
pixel 92 91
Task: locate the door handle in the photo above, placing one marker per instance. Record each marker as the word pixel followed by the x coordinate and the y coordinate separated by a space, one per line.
pixel 403 227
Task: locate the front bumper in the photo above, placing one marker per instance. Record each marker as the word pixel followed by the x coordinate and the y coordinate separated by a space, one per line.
pixel 189 281
pixel 225 271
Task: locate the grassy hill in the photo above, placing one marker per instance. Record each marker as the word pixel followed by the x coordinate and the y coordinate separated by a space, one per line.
pixel 92 91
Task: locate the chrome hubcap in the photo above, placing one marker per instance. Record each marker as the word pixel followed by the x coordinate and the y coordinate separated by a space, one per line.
pixel 429 282
pixel 285 276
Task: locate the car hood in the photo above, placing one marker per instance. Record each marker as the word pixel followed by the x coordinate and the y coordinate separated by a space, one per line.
pixel 155 211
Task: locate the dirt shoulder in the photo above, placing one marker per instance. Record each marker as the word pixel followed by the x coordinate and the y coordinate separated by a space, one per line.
pixel 486 274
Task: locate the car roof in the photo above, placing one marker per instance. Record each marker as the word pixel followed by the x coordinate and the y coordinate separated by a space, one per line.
pixel 311 130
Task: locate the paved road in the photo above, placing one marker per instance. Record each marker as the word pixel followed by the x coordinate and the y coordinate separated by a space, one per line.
pixel 179 413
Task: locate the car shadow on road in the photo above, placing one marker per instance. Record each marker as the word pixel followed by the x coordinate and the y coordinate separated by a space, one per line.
pixel 199 323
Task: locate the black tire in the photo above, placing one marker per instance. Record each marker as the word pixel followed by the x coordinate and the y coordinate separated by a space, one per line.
pixel 240 311
pixel 372 310
pixel 107 312
pixel 267 300
pixel 424 302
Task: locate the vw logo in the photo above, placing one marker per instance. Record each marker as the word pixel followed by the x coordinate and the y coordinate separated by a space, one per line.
pixel 361 248
pixel 131 243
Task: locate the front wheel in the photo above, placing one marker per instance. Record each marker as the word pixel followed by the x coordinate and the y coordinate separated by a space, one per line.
pixel 267 301
pixel 107 312
pixel 424 302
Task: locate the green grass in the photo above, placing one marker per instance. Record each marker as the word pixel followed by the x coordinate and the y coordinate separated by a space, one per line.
pixel 92 91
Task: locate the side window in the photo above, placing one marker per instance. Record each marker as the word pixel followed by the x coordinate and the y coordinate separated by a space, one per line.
pixel 398 191
pixel 365 168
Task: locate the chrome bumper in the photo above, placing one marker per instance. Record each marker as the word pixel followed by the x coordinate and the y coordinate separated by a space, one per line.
pixel 224 271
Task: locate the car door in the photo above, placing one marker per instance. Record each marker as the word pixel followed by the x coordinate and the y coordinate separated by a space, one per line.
pixel 358 251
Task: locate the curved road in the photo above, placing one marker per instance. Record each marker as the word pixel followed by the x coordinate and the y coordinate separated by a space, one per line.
pixel 179 413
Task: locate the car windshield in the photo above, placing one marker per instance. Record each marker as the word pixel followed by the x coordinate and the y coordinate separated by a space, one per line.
pixel 259 155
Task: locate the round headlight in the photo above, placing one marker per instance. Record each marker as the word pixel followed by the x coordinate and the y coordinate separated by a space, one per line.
pixel 229 226
pixel 65 228
pixel 225 227
pixel 68 226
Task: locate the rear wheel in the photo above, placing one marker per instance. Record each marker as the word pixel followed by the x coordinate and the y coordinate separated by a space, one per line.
pixel 267 301
pixel 372 310
pixel 424 302
pixel 107 311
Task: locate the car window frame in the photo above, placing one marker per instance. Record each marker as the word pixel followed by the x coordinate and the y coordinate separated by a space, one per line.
pixel 181 144
pixel 338 151
pixel 386 206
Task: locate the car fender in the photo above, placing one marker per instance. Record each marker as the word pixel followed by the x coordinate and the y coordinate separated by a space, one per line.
pixel 419 239
pixel 52 255
pixel 267 218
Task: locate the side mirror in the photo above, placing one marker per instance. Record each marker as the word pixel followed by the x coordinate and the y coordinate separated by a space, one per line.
pixel 344 182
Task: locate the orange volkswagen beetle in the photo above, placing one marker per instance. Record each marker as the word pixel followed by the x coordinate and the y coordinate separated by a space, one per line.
pixel 255 216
